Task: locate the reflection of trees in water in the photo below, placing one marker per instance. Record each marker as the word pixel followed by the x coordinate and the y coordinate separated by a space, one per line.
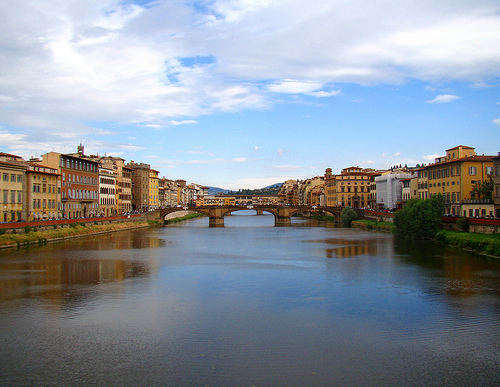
pixel 451 271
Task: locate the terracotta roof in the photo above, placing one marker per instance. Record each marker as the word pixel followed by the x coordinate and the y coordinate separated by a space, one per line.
pixel 461 159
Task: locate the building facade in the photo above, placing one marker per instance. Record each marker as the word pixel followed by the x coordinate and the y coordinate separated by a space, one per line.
pixel 140 185
pixel 390 189
pixel 79 184
pixel 13 182
pixel 455 174
pixel 43 192
pixel 107 191
pixel 496 185
pixel 123 189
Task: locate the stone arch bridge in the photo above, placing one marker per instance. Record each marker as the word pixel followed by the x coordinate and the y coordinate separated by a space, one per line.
pixel 282 214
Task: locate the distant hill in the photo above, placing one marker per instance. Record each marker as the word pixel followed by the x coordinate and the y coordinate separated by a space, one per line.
pixel 216 190
pixel 269 190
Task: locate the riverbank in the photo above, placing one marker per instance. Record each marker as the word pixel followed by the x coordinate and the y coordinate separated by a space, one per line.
pixel 373 225
pixel 485 244
pixel 75 230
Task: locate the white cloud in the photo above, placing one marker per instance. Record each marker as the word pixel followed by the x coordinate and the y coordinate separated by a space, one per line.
pixel 122 63
pixel 497 121
pixel 321 94
pixel 294 87
pixel 444 98
pixel 184 122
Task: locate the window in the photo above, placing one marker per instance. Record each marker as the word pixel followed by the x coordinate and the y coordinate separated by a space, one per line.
pixel 12 196
pixel 12 178
pixel 19 178
pixel 472 171
pixel 489 170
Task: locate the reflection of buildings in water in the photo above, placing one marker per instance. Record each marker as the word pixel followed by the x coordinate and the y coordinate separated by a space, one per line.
pixel 59 280
pixel 351 248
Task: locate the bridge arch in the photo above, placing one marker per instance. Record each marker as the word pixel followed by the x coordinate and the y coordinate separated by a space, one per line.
pixel 282 213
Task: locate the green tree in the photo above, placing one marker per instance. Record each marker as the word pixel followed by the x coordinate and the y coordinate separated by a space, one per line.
pixel 483 189
pixel 419 218
pixel 347 216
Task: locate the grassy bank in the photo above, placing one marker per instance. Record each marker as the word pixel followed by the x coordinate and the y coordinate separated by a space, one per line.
pixel 373 225
pixel 75 230
pixel 183 218
pixel 488 244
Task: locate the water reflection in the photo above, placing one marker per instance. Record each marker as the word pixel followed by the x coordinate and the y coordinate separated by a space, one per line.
pixel 460 274
pixel 53 272
pixel 248 304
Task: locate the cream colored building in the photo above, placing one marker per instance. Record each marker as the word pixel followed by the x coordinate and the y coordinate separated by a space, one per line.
pixel 13 181
pixel 107 191
pixel 123 189
pixel 43 192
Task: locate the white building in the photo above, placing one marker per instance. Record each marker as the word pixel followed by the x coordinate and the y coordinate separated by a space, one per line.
pixel 390 188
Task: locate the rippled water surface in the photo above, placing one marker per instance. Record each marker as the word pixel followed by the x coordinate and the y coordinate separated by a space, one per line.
pixel 248 304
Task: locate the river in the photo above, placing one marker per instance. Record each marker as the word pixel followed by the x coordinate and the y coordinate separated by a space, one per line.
pixel 248 304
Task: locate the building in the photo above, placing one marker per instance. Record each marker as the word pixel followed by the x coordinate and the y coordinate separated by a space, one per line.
pixel 286 191
pixel 353 187
pixel 390 188
pixel 79 183
pixel 13 182
pixel 167 191
pixel 454 176
pixel 140 185
pixel 123 189
pixel 107 191
pixel 43 192
pixel 496 185
pixel 330 188
pixel 154 194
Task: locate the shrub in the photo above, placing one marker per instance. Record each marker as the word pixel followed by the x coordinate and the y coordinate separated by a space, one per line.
pixel 27 229
pixel 419 218
pixel 463 224
pixel 347 216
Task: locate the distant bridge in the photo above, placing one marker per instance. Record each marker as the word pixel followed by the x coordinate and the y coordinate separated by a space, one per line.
pixel 282 213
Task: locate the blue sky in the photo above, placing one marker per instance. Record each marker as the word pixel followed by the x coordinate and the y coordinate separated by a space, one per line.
pixel 247 93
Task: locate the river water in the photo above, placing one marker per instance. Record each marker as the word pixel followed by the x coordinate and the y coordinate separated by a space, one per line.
pixel 249 304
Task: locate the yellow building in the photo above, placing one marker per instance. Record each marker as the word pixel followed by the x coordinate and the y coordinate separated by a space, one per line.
pixel 455 174
pixel 43 192
pixel 154 192
pixel 12 174
pixel 353 187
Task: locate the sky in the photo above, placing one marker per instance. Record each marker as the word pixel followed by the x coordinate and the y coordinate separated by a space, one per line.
pixel 248 93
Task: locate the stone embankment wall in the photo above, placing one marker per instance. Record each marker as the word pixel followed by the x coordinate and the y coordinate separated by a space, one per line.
pixel 379 216
pixel 19 227
pixel 476 225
